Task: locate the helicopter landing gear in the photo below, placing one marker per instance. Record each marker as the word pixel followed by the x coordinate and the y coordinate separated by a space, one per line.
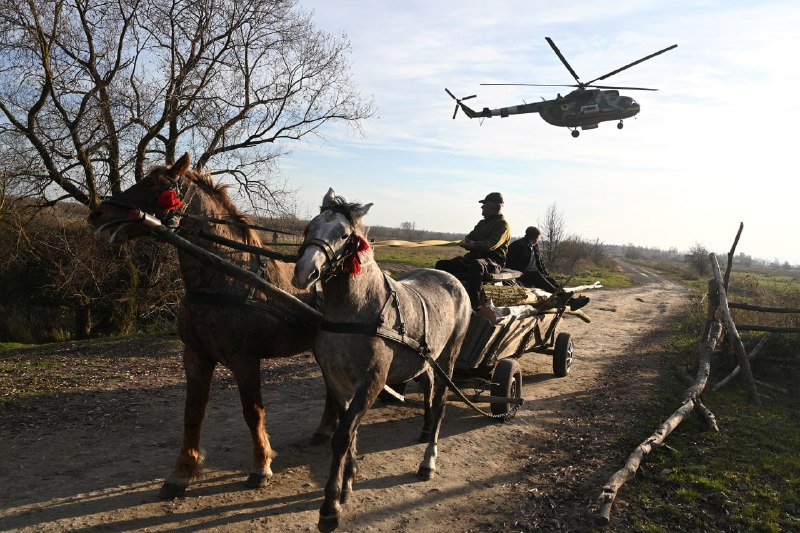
pixel 620 125
pixel 575 133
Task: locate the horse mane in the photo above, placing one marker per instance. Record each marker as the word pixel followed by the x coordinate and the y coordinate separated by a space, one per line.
pixel 220 192
pixel 342 207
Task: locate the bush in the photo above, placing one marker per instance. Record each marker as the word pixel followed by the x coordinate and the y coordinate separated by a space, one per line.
pixel 63 282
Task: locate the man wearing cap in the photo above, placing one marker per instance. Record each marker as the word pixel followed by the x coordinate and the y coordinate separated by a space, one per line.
pixel 523 255
pixel 486 245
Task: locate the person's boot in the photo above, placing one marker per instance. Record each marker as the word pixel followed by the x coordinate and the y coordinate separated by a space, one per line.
pixel 577 302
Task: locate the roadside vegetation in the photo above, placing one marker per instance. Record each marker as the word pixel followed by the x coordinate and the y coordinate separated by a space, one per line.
pixel 747 476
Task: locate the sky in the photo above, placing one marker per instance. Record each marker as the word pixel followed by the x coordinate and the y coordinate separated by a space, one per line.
pixel 714 146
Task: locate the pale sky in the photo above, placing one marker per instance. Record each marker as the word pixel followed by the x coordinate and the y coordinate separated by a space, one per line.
pixel 715 146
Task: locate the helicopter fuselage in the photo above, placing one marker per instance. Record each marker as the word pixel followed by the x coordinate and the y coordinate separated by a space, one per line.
pixel 579 109
pixel 588 108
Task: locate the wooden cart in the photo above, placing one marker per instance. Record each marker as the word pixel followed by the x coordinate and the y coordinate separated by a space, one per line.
pixel 488 360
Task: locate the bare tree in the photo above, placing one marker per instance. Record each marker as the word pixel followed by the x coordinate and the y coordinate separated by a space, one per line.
pixel 697 258
pixel 554 231
pixel 92 91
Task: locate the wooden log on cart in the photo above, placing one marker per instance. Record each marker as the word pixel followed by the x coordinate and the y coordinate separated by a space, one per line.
pixel 733 334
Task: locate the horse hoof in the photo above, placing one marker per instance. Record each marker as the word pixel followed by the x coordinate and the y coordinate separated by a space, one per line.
pixel 320 438
pixel 170 490
pixel 425 474
pixel 327 524
pixel 255 480
pixel 425 436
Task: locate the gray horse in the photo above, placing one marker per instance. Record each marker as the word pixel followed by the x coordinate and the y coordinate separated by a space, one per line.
pixel 375 330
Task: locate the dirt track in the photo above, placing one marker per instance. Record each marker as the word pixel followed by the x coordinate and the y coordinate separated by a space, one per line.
pixel 93 460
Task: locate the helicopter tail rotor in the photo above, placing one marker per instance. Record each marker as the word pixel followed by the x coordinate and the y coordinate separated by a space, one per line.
pixel 458 100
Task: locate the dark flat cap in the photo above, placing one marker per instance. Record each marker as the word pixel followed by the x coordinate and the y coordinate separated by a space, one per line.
pixel 495 197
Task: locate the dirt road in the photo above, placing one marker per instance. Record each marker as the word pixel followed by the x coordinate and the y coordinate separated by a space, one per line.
pixel 92 456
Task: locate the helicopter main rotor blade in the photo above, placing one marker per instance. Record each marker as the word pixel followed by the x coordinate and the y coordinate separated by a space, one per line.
pixel 562 58
pixel 629 65
pixel 535 84
pixel 624 88
pixel 451 94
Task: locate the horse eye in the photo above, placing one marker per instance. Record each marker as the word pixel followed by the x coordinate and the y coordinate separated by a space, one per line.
pixel 345 236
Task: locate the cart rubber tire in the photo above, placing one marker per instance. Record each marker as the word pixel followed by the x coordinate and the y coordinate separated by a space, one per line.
pixel 562 358
pixel 399 388
pixel 506 382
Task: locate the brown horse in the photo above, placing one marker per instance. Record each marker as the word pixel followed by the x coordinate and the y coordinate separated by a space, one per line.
pixel 218 321
pixel 375 330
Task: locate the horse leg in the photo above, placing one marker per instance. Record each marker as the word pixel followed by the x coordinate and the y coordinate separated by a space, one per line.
pixel 427 468
pixel 248 378
pixel 426 382
pixel 199 370
pixel 350 470
pixel 343 457
pixel 327 423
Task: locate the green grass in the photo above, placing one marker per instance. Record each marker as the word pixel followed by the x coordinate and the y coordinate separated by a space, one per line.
pixel 6 346
pixel 400 259
pixel 608 278
pixel 747 476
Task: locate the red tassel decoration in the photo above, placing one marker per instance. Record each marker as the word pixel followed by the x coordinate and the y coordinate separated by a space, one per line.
pixel 169 200
pixel 353 263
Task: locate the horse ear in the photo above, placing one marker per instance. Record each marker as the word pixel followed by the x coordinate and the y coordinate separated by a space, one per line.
pixel 362 212
pixel 328 199
pixel 180 166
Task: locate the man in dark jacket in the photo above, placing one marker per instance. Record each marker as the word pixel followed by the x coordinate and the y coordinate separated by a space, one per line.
pixel 524 255
pixel 486 245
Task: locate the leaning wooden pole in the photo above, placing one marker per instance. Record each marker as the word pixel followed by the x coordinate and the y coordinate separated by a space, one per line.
pixel 691 399
pixel 729 266
pixel 733 334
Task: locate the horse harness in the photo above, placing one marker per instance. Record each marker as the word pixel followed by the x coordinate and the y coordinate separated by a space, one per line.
pixel 169 220
pixel 379 329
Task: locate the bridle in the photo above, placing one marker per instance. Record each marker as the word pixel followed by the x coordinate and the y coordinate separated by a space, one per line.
pixel 183 193
pixel 334 259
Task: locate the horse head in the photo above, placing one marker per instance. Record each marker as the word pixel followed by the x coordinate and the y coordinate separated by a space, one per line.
pixel 333 241
pixel 159 193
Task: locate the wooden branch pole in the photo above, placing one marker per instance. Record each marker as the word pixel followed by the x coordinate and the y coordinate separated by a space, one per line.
pixel 690 401
pixel 733 334
pixel 752 355
pixel 771 329
pixel 729 266
pixel 706 414
pixel 763 308
pixel 279 297
pixel 634 459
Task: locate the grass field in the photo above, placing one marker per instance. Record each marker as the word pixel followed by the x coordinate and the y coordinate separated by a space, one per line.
pixel 397 260
pixel 747 476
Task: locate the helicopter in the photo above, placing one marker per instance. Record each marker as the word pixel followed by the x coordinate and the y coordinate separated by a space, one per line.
pixel 583 108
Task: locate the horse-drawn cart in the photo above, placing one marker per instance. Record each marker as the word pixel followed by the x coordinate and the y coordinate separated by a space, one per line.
pixel 488 360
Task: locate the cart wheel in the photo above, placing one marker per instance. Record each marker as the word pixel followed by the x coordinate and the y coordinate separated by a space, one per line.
pixel 507 382
pixel 562 358
pixel 399 388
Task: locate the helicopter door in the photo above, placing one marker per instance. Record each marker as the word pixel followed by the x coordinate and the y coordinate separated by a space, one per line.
pixel 590 109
